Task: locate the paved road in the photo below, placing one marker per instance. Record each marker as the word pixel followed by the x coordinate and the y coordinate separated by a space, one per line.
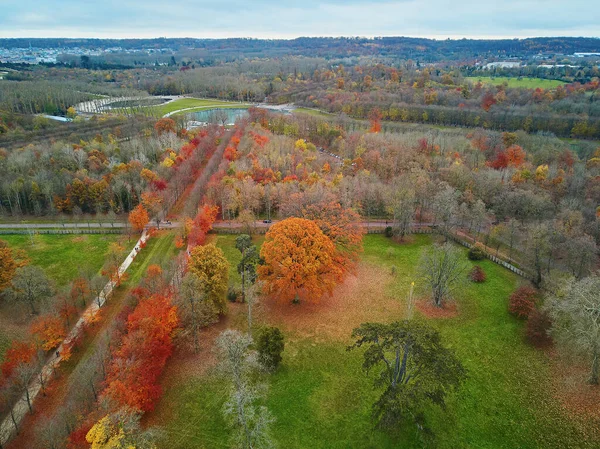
pixel 173 225
pixel 82 225
pixel 20 408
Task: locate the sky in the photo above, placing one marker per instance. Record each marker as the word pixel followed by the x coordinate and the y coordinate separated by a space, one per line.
pixel 288 19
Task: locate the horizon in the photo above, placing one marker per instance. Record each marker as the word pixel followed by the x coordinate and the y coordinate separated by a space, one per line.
pixel 287 20
pixel 291 38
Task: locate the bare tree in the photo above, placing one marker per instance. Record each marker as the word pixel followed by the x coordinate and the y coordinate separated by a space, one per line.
pixel 31 286
pixel 441 268
pixel 445 207
pixel 581 255
pixel 575 312
pixel 196 312
pixel 250 421
pixel 401 203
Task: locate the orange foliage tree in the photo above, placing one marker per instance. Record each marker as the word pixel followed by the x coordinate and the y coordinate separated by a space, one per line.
pixel 139 218
pixel 515 156
pixel 202 224
pixel 9 262
pixel 49 330
pixel 165 125
pixel 299 261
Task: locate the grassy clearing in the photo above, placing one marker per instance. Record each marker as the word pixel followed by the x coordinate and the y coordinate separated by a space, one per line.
pixel 313 112
pixel 159 250
pixel 321 398
pixel 61 256
pixel 196 103
pixel 525 83
pixel 227 243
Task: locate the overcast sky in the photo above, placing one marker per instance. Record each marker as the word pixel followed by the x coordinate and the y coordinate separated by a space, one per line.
pixel 288 19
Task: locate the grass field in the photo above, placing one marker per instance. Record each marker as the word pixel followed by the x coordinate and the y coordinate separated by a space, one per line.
pixel 526 83
pixel 313 112
pixel 321 398
pixel 196 103
pixel 227 243
pixel 62 256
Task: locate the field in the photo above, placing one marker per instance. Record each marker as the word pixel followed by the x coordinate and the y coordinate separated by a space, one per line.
pixel 321 398
pixel 526 83
pixel 312 112
pixel 194 104
pixel 61 257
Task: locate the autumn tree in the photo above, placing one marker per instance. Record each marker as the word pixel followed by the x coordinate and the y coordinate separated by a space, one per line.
pixel 165 125
pixel 49 330
pixel 341 225
pixel 575 323
pixel 413 367
pixel 121 429
pixel 441 269
pixel 139 218
pixel 299 261
pixel 10 261
pixel 195 311
pixel 210 266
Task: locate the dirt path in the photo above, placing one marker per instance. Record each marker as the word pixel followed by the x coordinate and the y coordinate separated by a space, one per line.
pixel 20 408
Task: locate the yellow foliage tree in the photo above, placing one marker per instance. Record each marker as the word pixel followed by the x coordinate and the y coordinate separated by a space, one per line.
pixel 209 264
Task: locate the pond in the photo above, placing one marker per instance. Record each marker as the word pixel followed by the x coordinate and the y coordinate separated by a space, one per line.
pixel 221 116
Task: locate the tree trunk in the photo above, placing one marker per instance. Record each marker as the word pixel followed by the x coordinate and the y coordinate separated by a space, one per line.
pixel 594 375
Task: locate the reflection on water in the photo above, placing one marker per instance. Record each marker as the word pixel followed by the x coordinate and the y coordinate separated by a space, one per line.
pixel 220 116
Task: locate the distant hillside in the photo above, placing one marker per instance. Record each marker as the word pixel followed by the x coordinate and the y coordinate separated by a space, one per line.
pixel 401 47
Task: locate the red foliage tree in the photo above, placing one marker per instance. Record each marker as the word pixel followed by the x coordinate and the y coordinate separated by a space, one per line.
pixel 477 274
pixel 375 119
pixel 132 379
pixel 522 301
pixel 538 325
pixel 488 101
pixel 18 353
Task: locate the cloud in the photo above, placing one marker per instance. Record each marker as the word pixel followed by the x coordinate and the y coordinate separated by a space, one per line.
pixel 285 18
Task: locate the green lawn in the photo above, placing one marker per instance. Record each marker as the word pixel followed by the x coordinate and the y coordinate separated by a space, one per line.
pixel 227 243
pixel 62 256
pixel 313 112
pixel 527 83
pixel 321 398
pixel 159 250
pixel 196 103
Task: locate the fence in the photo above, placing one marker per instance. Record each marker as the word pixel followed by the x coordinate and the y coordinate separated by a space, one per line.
pixel 415 230
pixel 61 231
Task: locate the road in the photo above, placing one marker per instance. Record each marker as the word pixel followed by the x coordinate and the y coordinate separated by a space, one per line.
pixel 20 408
pixel 175 224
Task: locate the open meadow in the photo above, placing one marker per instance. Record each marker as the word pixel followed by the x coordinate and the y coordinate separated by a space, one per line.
pixel 521 82
pixel 61 257
pixel 320 396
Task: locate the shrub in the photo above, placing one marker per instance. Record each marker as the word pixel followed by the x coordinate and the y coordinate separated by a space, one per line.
pixel 476 252
pixel 477 274
pixel 389 232
pixel 270 345
pixel 232 294
pixel 522 301
pixel 538 325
